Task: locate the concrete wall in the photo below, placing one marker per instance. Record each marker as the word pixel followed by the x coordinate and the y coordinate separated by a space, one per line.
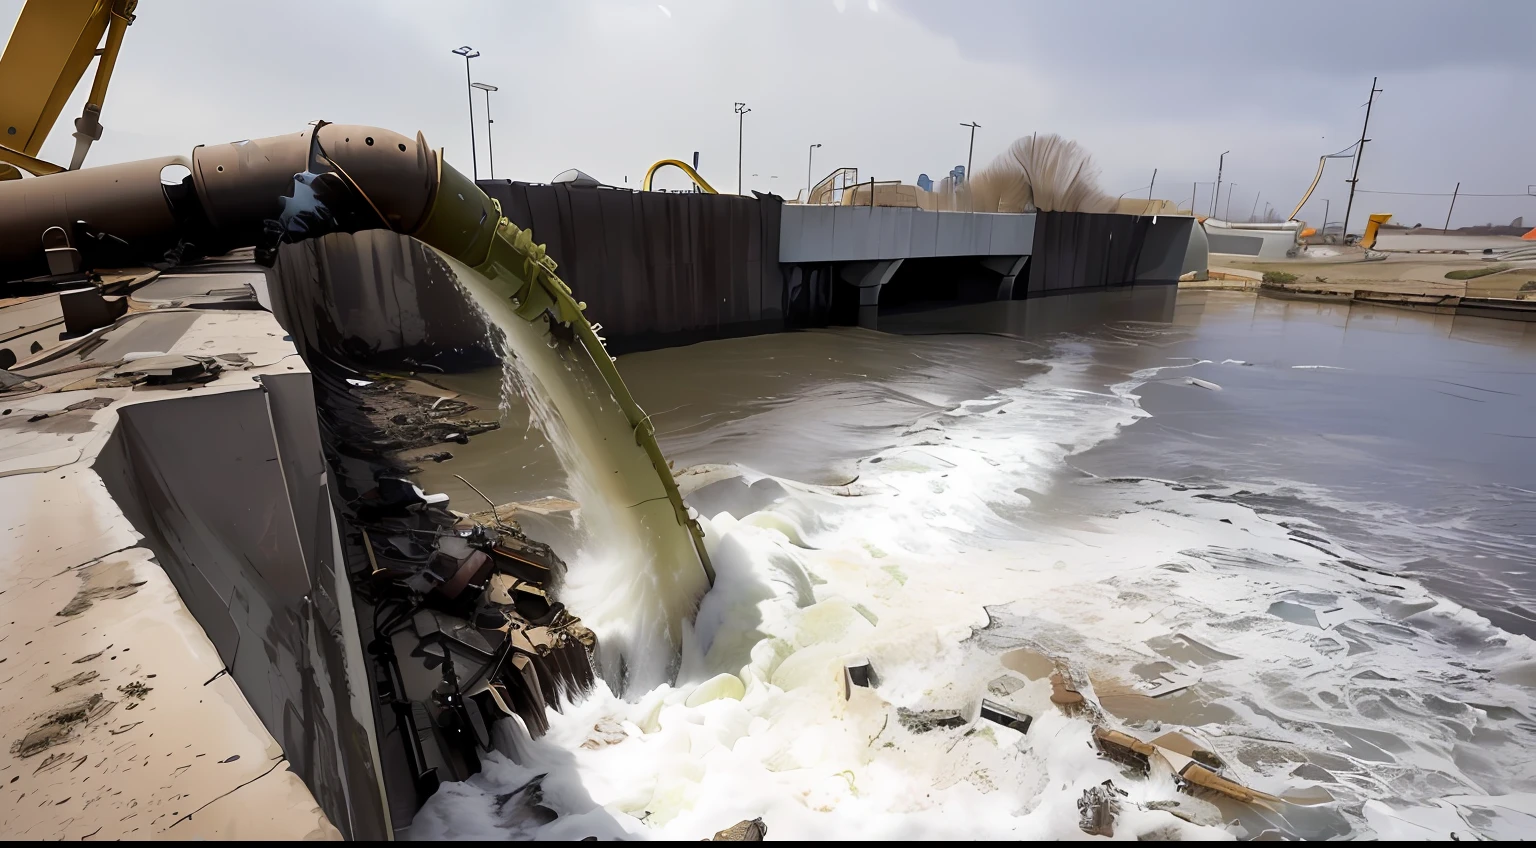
pixel 229 491
pixel 658 268
pixel 854 233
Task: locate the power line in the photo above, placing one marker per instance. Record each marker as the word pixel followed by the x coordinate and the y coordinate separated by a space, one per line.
pixel 1444 193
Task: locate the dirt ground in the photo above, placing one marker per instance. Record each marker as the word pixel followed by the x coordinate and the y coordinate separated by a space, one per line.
pixel 1404 272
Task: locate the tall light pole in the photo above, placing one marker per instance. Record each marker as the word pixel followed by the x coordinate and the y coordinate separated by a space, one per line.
pixel 741 123
pixel 1227 213
pixel 810 156
pixel 1220 165
pixel 1150 186
pixel 490 147
pixel 972 153
pixel 470 53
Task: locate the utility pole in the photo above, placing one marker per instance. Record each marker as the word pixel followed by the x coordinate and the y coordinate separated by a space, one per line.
pixel 470 53
pixel 1255 209
pixel 970 155
pixel 1453 207
pixel 1227 213
pixel 1154 182
pixel 1323 230
pixel 810 156
pixel 741 118
pixel 490 147
pixel 1220 165
pixel 1359 149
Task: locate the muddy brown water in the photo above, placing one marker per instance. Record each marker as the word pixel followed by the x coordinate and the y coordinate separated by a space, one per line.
pixel 1411 438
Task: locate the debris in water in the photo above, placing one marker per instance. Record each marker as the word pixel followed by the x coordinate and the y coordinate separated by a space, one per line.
pixel 1006 716
pixel 922 721
pixel 525 804
pixel 1097 809
pixel 743 831
pixel 1170 682
pixel 1129 750
pixel 1204 384
pixel 860 673
pixel 1005 685
pixel 1180 743
pixel 136 689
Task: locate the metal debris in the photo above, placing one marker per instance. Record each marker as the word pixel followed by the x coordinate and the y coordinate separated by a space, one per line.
pixel 1193 776
pixel 1097 809
pixel 858 672
pixel 1006 716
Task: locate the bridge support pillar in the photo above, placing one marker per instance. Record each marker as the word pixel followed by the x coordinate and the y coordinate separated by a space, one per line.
pixel 868 278
pixel 1010 267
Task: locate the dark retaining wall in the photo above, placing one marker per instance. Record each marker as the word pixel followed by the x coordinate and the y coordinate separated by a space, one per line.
pixel 658 269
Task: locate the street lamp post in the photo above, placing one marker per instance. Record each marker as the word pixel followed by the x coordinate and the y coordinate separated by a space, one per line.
pixel 1227 213
pixel 972 152
pixel 1220 165
pixel 490 146
pixel 741 123
pixel 810 157
pixel 470 53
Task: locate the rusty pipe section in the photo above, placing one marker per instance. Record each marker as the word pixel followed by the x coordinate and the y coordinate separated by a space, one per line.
pixel 235 188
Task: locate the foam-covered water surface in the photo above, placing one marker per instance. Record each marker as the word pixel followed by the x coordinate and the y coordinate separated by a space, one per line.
pixel 1300 567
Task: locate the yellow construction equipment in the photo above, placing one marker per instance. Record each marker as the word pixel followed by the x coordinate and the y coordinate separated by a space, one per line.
pixel 1368 241
pixel 686 168
pixel 49 50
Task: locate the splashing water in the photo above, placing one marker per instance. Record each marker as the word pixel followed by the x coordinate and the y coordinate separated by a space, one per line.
pixel 972 537
pixel 636 578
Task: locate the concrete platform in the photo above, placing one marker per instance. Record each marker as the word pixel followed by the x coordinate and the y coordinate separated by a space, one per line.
pixel 123 719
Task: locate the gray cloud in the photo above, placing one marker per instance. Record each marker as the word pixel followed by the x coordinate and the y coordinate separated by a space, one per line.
pixel 612 85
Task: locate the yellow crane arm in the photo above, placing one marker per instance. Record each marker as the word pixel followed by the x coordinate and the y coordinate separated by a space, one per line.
pixel 49 50
pixel 686 168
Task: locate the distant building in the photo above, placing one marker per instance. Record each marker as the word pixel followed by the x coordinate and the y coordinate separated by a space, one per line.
pixel 924 183
pixel 958 174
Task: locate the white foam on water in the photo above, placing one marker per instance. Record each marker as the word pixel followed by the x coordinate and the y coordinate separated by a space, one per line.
pixel 971 537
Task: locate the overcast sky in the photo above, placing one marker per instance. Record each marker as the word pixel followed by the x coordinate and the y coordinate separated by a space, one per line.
pixel 883 85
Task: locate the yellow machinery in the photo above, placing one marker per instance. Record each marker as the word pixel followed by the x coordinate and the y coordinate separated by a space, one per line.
pixel 686 168
pixel 1372 225
pixel 48 53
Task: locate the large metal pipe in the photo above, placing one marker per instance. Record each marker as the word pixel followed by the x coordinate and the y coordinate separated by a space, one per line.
pixel 125 200
pixel 241 185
